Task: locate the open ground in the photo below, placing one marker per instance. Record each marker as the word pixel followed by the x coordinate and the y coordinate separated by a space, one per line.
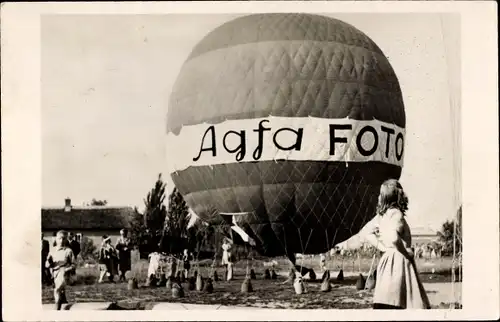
pixel 435 273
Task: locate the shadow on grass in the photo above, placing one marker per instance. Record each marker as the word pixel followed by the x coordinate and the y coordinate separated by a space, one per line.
pixel 86 279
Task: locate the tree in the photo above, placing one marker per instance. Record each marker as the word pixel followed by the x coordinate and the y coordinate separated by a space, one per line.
pixel 137 228
pixel 175 232
pixel 146 228
pixel 88 249
pixel 448 234
pixel 199 235
pixel 155 211
pixel 206 239
pixel 96 202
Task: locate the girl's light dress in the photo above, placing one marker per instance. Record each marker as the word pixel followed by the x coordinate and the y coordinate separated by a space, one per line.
pixel 398 283
pixel 154 263
pixel 226 254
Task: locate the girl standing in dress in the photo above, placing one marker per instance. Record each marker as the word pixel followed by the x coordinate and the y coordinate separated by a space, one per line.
pixel 226 259
pixel 398 284
pixel 107 259
pixel 226 252
pixel 123 246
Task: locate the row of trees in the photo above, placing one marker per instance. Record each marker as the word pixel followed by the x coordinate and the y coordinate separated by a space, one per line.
pixel 159 228
pixel 450 235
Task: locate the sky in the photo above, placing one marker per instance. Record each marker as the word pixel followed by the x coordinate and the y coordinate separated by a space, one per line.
pixel 106 82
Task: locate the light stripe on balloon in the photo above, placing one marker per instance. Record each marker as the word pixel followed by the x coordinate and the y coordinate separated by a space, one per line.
pixel 286 138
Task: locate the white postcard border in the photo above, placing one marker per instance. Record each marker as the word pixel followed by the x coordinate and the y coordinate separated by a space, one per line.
pixel 21 157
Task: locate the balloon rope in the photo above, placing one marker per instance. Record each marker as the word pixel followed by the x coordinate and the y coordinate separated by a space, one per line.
pixel 212 268
pixel 302 247
pixel 359 262
pixel 335 236
pixel 309 238
pixel 328 247
pixel 214 261
pixel 371 265
pixel 198 257
pixel 453 129
pixel 248 270
pixel 307 243
pixel 287 254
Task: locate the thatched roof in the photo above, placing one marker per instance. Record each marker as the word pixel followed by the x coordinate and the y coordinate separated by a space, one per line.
pixel 87 218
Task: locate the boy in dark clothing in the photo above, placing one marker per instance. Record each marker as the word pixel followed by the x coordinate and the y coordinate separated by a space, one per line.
pixel 46 278
pixel 75 248
pixel 74 245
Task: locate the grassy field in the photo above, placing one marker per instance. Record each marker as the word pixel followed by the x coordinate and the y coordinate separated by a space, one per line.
pixel 267 293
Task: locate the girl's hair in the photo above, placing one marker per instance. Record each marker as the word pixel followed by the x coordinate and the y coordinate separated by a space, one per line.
pixel 392 195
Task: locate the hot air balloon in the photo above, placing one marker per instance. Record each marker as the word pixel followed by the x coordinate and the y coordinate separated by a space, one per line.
pixel 284 126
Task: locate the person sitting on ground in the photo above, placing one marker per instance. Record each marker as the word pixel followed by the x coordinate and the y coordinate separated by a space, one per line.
pixel 61 261
pixel 123 246
pixel 107 259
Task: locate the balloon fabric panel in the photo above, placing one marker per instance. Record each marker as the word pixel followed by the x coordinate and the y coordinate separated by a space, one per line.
pixel 293 66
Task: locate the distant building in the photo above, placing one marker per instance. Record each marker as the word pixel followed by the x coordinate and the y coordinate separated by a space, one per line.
pixel 89 221
pixel 423 235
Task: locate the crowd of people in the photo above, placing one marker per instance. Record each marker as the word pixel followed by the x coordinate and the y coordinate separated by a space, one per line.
pixel 69 242
pixel 428 251
pixel 161 262
pixel 115 260
pixel 59 262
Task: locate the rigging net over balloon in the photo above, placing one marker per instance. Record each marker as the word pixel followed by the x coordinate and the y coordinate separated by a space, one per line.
pixel 285 125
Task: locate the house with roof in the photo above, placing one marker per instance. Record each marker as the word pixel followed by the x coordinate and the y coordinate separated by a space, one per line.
pixel 89 221
pixel 423 235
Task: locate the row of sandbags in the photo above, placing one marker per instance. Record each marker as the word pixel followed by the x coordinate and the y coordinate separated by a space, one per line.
pixel 361 283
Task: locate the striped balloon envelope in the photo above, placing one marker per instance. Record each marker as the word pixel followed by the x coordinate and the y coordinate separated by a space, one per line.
pixel 288 123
